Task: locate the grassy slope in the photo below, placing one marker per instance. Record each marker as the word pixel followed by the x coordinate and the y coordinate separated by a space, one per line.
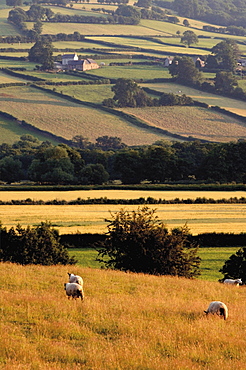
pixel 128 321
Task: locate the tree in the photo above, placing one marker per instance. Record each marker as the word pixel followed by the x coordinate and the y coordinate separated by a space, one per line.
pixel 131 14
pixel 185 71
pixel 144 3
pixel 225 82
pixel 235 266
pixel 38 245
pixel 14 3
pixel 94 174
pixel 42 52
pixel 109 143
pixel 188 38
pixel 186 23
pixel 129 94
pixel 226 53
pixel 137 241
pixel 10 169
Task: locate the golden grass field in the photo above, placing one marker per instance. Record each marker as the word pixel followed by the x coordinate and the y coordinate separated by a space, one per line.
pixel 192 121
pixel 200 218
pixel 67 119
pixel 127 321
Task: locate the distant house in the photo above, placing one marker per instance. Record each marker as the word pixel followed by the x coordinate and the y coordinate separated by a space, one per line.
pixel 168 61
pixel 67 57
pixel 82 65
pixel 199 63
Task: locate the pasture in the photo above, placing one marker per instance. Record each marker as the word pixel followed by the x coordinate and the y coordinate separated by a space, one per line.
pixel 127 321
pixel 233 105
pixel 198 122
pixel 48 112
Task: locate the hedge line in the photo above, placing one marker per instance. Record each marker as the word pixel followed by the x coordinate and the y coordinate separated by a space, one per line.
pixel 137 201
pixel 211 240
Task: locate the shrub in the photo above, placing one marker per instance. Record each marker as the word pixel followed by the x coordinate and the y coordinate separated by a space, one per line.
pixel 137 241
pixel 34 245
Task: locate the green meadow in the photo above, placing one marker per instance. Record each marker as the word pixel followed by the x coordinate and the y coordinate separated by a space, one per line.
pixel 212 260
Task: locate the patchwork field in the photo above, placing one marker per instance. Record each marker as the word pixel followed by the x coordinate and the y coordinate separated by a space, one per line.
pixel 51 113
pixel 192 121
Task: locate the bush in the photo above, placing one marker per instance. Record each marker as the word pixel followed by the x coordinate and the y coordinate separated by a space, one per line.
pixel 34 245
pixel 137 241
pixel 235 266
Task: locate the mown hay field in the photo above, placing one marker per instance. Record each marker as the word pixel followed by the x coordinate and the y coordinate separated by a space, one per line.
pixel 61 117
pixel 127 321
pixel 233 105
pixel 96 29
pixel 196 122
pixel 199 218
pixel 131 71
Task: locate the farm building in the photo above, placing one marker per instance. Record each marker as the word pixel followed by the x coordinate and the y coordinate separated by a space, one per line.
pixel 68 57
pixel 82 65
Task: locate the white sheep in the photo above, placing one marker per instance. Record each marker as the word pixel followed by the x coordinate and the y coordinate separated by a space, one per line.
pixel 218 308
pixel 235 282
pixel 74 290
pixel 75 279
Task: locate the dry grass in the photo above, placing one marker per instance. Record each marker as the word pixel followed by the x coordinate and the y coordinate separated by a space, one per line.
pixel 128 321
pixel 67 119
pixel 193 121
pixel 91 218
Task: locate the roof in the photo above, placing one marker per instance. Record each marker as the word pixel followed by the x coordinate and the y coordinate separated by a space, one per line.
pixel 69 55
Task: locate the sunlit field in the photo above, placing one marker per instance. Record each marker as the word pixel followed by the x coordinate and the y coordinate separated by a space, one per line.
pixel 233 105
pixel 127 321
pixel 91 218
pixel 197 122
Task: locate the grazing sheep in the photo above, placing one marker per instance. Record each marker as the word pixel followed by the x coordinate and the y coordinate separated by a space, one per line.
pixel 235 282
pixel 74 290
pixel 75 279
pixel 218 308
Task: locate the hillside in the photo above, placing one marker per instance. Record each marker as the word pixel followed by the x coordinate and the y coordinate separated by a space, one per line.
pixel 127 321
pixel 142 48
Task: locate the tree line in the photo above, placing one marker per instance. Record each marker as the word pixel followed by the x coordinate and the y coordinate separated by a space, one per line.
pixel 108 159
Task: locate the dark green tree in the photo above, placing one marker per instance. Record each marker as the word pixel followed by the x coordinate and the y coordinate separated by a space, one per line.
pixel 235 266
pixel 225 82
pixel 14 3
pixel 10 169
pixel 42 53
pixel 131 15
pixel 93 174
pixel 38 245
pixel 17 16
pixel 185 71
pixel 109 143
pixel 144 3
pixel 138 241
pixel 128 94
pixel 189 38
pixel 128 166
pixel 226 53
